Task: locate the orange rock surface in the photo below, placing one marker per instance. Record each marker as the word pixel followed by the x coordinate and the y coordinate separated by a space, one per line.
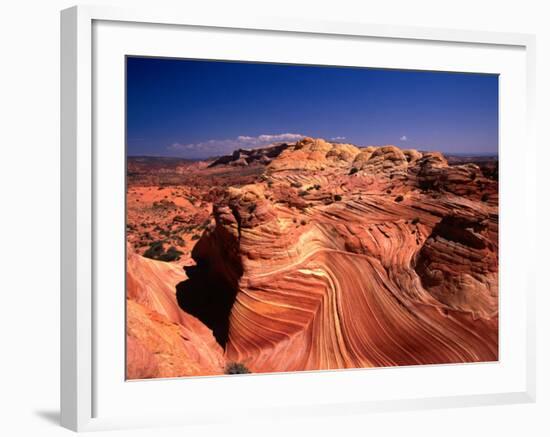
pixel 162 340
pixel 334 257
pixel 374 268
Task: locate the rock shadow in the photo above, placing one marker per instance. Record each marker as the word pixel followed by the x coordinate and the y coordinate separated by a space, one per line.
pixel 209 295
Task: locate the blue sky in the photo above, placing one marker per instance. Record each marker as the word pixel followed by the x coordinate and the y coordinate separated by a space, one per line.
pixel 197 109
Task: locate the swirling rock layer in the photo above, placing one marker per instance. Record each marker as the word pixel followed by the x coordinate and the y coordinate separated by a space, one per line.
pixel 341 257
pixel 161 339
pixel 311 256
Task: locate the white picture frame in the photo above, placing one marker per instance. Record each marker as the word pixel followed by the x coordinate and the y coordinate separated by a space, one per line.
pixel 80 166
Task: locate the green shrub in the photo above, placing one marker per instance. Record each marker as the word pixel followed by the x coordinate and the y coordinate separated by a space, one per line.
pixel 172 254
pixel 337 197
pixel 156 251
pixel 399 198
pixel 353 170
pixel 233 368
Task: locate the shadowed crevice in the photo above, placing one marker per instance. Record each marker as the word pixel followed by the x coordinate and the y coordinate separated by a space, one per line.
pixel 208 297
pixel 210 290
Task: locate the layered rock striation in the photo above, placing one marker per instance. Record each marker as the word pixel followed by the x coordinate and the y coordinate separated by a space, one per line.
pixel 343 257
pixel 161 339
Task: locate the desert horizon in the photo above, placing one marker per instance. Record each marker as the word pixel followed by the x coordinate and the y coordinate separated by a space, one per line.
pixel 361 245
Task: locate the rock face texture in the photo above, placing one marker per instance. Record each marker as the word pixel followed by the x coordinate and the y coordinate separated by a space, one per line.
pixel 344 257
pixel 312 256
pixel 162 340
pixel 244 157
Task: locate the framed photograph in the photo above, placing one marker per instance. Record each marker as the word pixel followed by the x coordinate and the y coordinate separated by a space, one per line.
pixel 272 218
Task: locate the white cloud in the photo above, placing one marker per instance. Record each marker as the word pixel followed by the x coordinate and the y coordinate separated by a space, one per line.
pixel 338 138
pixel 403 138
pixel 226 146
pixel 261 139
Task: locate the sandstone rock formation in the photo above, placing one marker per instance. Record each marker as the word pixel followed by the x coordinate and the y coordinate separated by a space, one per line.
pixel 162 340
pixel 315 256
pixel 322 267
pixel 243 157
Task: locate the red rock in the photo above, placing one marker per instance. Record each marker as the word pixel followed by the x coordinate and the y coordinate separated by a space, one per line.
pixel 310 265
pixel 162 340
pixel 364 280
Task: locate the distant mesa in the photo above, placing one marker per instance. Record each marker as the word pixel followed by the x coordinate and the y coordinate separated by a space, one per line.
pixel 244 157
